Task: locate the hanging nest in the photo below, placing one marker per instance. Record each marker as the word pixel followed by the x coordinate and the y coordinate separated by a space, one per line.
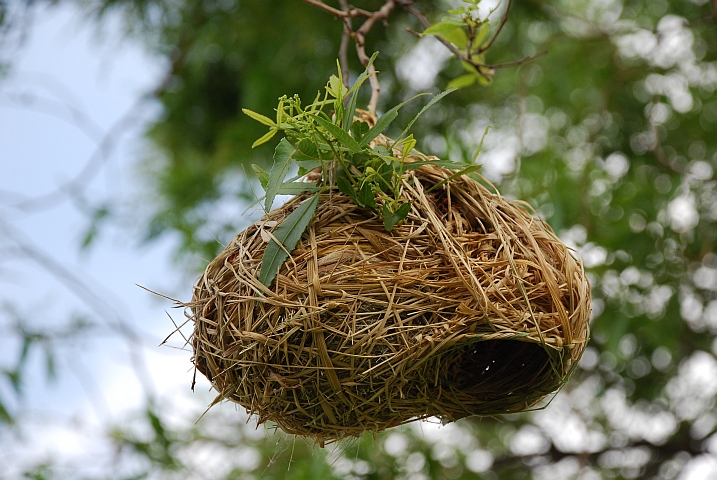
pixel 471 306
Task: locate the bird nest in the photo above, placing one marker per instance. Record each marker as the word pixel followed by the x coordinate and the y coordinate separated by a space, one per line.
pixel 471 306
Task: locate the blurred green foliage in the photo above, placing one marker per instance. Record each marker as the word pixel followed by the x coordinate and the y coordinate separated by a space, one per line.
pixel 611 136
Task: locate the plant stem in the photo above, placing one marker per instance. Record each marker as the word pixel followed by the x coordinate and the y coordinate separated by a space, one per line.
pixel 360 37
pixel 487 45
pixel 344 47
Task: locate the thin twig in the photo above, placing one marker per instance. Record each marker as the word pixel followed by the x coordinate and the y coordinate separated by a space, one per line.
pixel 360 37
pixel 439 38
pixel 351 12
pixel 425 23
pixel 326 8
pixel 344 47
pixel 517 62
pixel 487 45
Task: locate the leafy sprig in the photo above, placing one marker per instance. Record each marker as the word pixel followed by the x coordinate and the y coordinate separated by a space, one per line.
pixel 467 32
pixel 326 137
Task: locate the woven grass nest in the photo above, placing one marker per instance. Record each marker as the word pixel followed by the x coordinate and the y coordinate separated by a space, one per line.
pixel 470 307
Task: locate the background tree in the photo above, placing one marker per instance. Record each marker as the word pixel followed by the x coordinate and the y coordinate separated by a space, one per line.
pixel 611 136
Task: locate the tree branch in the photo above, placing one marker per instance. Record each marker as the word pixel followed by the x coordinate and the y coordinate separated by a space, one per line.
pixel 482 69
pixel 348 12
pixel 326 8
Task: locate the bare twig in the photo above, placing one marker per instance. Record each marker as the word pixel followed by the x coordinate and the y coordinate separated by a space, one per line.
pixel 425 23
pixel 517 62
pixel 344 47
pixel 360 37
pixel 346 14
pixel 351 12
pixel 326 8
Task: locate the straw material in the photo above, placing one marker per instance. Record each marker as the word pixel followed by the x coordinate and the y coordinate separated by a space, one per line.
pixel 470 307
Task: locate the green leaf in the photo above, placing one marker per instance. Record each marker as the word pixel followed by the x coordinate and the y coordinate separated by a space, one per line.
pixel 308 148
pixel 259 117
pixel 295 188
pixel 406 146
pixel 261 175
pixel 359 129
pixel 384 122
pixel 364 75
pixel 282 156
pixel 480 147
pixel 280 112
pixel 463 81
pixel 336 87
pixel 433 101
pixel 463 171
pixel 482 33
pixel 339 134
pixel 265 138
pixel 288 234
pixel 381 125
pixel 443 28
pixel 351 107
pixel 300 157
pixel 468 67
pixel 360 159
pixel 346 188
pixel 365 197
pixel 485 80
pixel 305 166
pixel 457 37
pixel 390 218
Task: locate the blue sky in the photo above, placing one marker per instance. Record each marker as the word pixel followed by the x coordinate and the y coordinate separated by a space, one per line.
pixel 70 84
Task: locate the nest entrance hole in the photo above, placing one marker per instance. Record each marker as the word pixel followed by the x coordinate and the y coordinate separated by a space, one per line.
pixel 496 369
